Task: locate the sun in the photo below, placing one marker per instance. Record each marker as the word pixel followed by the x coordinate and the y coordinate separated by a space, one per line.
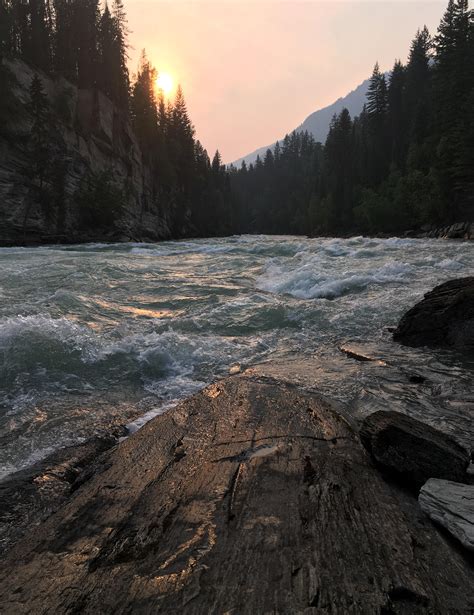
pixel 164 82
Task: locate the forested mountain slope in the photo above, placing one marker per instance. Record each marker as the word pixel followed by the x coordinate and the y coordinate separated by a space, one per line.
pixel 317 124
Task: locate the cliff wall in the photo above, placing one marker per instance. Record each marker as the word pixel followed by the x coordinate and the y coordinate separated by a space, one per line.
pixel 93 140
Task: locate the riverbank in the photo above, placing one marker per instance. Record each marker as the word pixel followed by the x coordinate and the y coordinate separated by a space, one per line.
pixel 254 495
pixel 459 230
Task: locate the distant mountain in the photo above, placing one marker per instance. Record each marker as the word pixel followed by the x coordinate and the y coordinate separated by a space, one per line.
pixel 318 122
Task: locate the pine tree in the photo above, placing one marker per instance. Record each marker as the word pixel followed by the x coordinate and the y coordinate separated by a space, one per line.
pixel 339 169
pixel 143 106
pixel 216 163
pixel 85 28
pixel 377 122
pixel 181 140
pixel 107 54
pixel 453 87
pixel 377 94
pixel 121 32
pixel 39 51
pixel 396 115
pixel 417 88
pixel 39 143
pixel 64 51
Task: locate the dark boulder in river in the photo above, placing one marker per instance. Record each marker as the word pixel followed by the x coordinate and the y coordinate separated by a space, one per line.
pixel 253 496
pixel 445 317
pixel 411 449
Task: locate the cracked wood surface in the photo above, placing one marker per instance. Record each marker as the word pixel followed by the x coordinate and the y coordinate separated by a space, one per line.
pixel 250 497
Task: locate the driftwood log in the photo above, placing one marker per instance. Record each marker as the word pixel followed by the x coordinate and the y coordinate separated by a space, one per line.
pixel 250 497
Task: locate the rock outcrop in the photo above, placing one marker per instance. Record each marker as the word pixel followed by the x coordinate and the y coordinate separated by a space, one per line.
pixel 250 497
pixel 95 137
pixel 459 230
pixel 33 494
pixel 452 506
pixel 445 317
pixel 411 449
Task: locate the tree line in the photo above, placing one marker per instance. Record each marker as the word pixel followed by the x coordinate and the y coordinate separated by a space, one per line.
pixel 87 45
pixel 406 161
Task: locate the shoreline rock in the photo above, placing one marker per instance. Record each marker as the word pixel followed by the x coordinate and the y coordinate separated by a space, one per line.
pixel 451 505
pixel 412 450
pixel 443 318
pixel 31 495
pixel 252 496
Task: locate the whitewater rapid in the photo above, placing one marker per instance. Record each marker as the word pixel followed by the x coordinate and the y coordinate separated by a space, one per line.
pixel 96 335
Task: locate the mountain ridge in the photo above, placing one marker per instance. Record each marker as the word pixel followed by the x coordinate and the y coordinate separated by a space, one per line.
pixel 317 123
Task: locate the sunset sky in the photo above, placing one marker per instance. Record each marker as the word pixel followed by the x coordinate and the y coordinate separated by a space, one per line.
pixel 253 70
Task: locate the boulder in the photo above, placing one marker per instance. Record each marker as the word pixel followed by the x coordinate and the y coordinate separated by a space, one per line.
pixel 412 450
pixel 452 506
pixel 445 317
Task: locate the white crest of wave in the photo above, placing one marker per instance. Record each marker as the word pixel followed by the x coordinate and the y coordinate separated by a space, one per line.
pixel 311 278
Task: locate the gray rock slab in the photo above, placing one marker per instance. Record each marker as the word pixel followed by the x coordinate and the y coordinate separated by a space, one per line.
pixel 452 506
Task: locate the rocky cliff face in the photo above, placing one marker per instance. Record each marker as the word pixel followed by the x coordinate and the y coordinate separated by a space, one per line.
pixel 95 139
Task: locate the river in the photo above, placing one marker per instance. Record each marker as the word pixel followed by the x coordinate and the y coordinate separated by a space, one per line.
pixel 100 334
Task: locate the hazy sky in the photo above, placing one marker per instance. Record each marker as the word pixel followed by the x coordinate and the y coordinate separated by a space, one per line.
pixel 253 70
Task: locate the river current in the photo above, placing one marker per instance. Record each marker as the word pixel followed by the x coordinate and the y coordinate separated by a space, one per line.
pixel 95 335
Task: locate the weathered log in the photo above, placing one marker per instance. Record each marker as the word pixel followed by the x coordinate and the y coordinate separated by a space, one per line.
pixel 411 449
pixel 452 506
pixel 445 317
pixel 250 497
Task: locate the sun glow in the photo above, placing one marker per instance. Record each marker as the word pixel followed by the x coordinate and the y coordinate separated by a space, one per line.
pixel 164 82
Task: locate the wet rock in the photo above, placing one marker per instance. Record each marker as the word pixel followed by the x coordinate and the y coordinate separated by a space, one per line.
pixel 452 506
pixel 262 486
pixel 416 379
pixel 445 317
pixel 29 496
pixel 360 353
pixel 459 230
pixel 412 450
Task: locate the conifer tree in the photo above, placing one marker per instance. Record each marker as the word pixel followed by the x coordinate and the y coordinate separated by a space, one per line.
pixel 143 106
pixel 107 54
pixel 39 143
pixel 85 28
pixel 64 51
pixel 38 51
pixel 216 163
pixel 121 33
pixel 417 87
pixel 181 139
pixel 454 85
pixel 396 113
pixel 339 168
pixel 377 94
